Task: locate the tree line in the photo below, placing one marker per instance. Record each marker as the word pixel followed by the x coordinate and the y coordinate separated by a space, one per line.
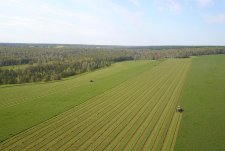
pixel 46 64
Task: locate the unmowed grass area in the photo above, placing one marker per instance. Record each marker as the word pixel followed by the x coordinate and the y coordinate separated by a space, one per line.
pixel 23 106
pixel 203 122
pixel 15 67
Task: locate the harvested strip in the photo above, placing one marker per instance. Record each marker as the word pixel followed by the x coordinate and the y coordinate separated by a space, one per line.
pixel 30 140
pixel 128 138
pixel 137 113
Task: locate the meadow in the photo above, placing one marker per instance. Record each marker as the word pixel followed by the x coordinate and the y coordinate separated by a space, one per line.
pixel 137 114
pixel 25 105
pixel 203 122
pixel 128 106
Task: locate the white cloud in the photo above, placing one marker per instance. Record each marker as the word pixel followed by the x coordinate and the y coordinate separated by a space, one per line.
pixel 205 3
pixel 169 5
pixel 220 18
pixel 96 21
pixel 135 2
pixel 38 21
pixel 174 5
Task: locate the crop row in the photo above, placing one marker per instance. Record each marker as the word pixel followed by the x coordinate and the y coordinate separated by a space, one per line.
pixel 137 114
pixel 140 105
pixel 36 91
pixel 153 120
pixel 92 105
pixel 157 135
pixel 68 136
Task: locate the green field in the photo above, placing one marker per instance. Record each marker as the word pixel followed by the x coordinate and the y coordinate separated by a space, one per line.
pixel 15 67
pixel 203 122
pixel 136 114
pixel 23 106
pixel 129 106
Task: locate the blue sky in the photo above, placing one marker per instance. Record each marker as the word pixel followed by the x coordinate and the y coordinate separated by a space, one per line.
pixel 120 22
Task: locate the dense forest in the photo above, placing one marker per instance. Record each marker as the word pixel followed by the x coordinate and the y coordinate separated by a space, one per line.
pixel 52 62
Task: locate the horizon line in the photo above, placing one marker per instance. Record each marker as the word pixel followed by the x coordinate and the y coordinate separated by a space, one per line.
pixel 118 45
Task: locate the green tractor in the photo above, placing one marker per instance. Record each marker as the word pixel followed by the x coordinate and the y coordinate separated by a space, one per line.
pixel 179 109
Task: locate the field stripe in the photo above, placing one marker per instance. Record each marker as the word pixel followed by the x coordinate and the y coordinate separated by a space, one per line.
pixel 138 114
pixel 150 141
pixel 138 131
pixel 52 88
pixel 124 131
pixel 127 99
pixel 90 122
pixel 80 110
pixel 170 135
pixel 165 124
pixel 117 123
pixel 144 97
pixel 176 133
pixel 145 130
pixel 160 138
pixel 86 104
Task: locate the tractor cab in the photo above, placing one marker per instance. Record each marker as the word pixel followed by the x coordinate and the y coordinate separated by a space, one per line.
pixel 179 109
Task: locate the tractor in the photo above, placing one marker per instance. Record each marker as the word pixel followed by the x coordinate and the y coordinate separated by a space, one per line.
pixel 179 109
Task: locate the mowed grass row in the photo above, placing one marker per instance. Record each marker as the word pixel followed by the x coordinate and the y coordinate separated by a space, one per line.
pixel 85 106
pixel 116 119
pixel 140 101
pixel 156 139
pixel 24 106
pixel 88 106
pixel 16 94
pixel 142 105
pixel 152 130
pixel 125 137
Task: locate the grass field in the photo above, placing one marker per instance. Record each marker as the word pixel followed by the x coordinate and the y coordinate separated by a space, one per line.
pixel 23 106
pixel 203 122
pixel 134 114
pixel 15 67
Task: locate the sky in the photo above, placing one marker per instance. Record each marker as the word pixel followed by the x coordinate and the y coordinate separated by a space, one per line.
pixel 113 22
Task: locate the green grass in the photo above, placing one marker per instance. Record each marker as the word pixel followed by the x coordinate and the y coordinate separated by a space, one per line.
pixel 134 115
pixel 23 106
pixel 203 123
pixel 15 67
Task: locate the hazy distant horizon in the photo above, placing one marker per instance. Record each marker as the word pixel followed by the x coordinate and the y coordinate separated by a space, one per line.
pixel 112 45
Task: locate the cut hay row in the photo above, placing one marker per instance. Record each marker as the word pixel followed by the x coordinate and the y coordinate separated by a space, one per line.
pixel 93 121
pixel 163 123
pixel 125 134
pixel 131 116
pixel 87 104
pixel 158 97
pixel 91 147
pixel 50 129
pixel 68 136
pixel 120 120
pixel 151 139
pixel 47 89
pixel 132 134
pixel 175 134
pixel 151 122
pixel 130 84
pixel 142 99
pixel 163 132
pixel 171 133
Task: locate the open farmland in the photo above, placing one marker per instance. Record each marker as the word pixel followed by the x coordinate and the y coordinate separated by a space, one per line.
pixel 203 98
pixel 25 105
pixel 136 114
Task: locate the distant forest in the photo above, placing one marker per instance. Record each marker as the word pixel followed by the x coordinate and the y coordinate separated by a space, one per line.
pixel 54 62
